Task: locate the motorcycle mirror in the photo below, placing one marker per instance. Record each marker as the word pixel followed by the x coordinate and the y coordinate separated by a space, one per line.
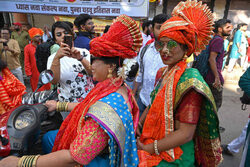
pixel 45 77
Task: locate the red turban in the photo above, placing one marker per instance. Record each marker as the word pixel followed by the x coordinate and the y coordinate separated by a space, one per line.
pixel 17 24
pixel 123 39
pixel 35 31
pixel 191 25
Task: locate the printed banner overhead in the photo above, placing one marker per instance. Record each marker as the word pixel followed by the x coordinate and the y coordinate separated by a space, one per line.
pixel 133 8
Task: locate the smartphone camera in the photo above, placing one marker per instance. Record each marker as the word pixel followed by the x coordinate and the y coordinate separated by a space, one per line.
pixel 68 39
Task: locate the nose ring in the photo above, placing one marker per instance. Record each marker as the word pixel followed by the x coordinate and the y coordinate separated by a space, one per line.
pixel 167 51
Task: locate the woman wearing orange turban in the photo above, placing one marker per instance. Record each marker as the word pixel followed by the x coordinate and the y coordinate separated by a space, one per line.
pixel 180 127
pixel 100 131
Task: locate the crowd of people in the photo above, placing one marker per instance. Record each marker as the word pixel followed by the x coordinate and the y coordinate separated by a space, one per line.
pixel 165 116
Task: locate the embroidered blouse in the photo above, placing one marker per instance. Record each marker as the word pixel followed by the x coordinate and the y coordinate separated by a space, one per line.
pixel 190 107
pixel 89 143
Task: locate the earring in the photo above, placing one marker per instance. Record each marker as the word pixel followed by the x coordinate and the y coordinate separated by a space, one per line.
pixel 110 73
pixel 185 57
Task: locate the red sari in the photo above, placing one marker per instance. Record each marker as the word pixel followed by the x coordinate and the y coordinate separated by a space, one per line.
pixel 11 91
pixel 75 121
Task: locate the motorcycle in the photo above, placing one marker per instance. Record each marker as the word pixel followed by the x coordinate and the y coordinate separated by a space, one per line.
pixel 20 128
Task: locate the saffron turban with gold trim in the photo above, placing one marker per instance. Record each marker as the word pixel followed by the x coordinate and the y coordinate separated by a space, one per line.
pixel 191 25
pixel 123 39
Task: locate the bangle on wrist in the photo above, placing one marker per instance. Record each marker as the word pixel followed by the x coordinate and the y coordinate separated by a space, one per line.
pixel 57 106
pixel 66 106
pixel 62 106
pixel 155 148
pixel 28 161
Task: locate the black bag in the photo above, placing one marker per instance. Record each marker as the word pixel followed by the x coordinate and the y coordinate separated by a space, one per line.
pixel 141 67
pixel 245 100
pixel 201 61
pixel 42 55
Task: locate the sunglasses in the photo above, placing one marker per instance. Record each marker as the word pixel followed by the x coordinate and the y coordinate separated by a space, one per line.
pixel 170 45
pixel 58 34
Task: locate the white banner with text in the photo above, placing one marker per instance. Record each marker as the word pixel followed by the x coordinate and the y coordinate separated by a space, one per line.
pixel 133 8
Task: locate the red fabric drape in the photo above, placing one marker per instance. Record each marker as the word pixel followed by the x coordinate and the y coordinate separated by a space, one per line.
pixel 11 91
pixel 75 120
pixel 156 121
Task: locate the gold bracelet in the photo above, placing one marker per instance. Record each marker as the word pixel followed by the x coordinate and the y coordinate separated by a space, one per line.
pixel 155 148
pixel 62 106
pixel 28 161
pixel 57 106
pixel 66 106
pixel 25 161
pixel 35 160
pixel 20 161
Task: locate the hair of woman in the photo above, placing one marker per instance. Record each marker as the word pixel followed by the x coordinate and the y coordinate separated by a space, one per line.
pixel 60 24
pixel 2 64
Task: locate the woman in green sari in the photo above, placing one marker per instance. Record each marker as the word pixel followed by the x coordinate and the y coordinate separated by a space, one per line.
pixel 180 127
pixel 244 84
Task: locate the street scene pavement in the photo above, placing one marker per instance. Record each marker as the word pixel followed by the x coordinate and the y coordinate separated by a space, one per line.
pixel 232 118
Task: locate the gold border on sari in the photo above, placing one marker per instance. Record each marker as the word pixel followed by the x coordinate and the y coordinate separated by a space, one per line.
pixel 199 86
pixel 109 118
pixel 169 104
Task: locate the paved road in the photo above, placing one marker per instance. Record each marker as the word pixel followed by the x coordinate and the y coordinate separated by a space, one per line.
pixel 231 116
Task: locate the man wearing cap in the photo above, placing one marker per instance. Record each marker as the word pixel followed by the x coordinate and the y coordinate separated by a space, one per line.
pixel 30 59
pixel 22 38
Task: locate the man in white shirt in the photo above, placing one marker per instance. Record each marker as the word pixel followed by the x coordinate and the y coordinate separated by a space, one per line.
pixel 150 62
pixel 145 32
pixel 47 34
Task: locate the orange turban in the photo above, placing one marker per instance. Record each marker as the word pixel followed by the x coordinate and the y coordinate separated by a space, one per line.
pixel 35 31
pixel 123 39
pixel 191 25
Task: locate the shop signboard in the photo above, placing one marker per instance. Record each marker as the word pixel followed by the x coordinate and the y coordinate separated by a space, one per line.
pixel 133 8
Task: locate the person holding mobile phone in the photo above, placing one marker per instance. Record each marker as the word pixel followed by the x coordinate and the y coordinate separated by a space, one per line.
pixel 71 69
pixel 108 116
pixel 10 53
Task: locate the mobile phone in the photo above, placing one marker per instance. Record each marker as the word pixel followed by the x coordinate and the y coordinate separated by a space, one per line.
pixel 5 44
pixel 68 39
